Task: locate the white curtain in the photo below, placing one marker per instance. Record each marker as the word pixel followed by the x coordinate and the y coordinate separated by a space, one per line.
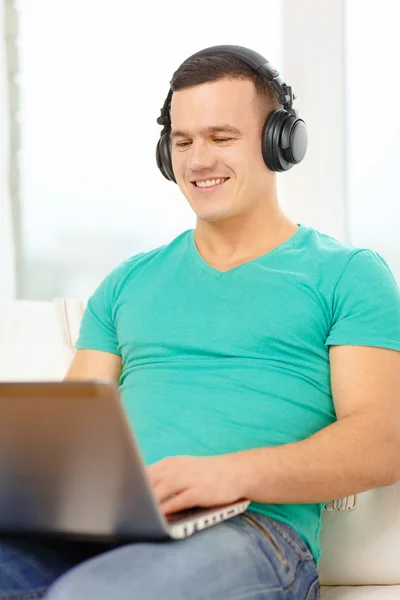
pixel 7 252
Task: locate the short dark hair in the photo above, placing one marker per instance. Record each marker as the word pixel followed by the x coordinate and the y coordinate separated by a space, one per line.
pixel 207 69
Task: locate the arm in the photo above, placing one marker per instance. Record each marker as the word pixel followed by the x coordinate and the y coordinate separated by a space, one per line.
pixel 358 452
pixel 94 364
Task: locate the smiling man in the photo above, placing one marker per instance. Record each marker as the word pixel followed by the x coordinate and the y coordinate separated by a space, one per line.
pixel 257 358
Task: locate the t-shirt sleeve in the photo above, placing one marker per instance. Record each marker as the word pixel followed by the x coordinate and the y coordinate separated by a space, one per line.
pixel 97 330
pixel 366 304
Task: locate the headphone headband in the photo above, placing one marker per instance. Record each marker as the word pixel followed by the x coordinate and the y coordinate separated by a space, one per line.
pixel 256 62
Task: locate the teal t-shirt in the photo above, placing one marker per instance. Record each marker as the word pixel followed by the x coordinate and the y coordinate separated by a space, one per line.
pixel 218 362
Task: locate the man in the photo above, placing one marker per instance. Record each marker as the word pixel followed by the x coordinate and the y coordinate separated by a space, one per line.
pixel 257 358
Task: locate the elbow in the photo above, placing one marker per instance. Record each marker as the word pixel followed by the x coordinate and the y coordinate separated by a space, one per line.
pixel 382 461
pixel 391 472
pixel 390 480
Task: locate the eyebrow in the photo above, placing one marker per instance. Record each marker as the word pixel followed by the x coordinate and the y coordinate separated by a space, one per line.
pixel 207 131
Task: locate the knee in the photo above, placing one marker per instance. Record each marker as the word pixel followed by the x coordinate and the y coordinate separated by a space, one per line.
pixel 72 586
pixel 89 580
pixel 117 574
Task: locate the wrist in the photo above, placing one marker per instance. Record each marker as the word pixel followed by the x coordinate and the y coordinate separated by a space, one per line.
pixel 245 470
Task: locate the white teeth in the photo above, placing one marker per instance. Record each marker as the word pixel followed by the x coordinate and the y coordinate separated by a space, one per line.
pixel 210 182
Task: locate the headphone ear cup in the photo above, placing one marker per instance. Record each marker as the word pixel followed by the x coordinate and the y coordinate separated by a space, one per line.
pixel 163 157
pixel 284 140
pixel 271 139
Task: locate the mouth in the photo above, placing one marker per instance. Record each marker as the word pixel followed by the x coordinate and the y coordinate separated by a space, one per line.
pixel 210 185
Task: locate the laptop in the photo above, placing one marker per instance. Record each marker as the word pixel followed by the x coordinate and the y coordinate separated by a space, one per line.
pixel 70 467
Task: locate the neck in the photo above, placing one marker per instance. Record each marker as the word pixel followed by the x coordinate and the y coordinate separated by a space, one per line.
pixel 225 244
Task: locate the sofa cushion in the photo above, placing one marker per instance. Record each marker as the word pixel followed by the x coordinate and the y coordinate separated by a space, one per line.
pixel 32 346
pixel 362 546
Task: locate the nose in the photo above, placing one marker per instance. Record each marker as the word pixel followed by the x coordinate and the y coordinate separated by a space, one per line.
pixel 200 156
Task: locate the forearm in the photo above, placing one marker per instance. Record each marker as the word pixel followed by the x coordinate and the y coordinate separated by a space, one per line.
pixel 354 454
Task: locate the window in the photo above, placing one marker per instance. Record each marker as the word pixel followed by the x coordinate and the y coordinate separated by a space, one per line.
pixel 93 77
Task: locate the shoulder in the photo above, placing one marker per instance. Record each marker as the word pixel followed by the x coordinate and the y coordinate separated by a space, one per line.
pixel 131 267
pixel 337 258
pixel 358 283
pixel 326 247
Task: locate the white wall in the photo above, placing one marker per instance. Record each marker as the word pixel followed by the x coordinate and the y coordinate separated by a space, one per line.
pixel 373 126
pixel 313 61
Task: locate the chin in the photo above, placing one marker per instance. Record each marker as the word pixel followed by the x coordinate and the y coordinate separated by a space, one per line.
pixel 214 217
pixel 212 209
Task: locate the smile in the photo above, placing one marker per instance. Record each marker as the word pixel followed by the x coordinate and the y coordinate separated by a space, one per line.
pixel 209 185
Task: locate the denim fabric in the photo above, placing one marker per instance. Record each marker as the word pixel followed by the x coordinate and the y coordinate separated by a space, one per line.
pixel 247 557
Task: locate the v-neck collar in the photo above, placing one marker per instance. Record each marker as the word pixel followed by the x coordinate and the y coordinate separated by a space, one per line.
pixel 199 260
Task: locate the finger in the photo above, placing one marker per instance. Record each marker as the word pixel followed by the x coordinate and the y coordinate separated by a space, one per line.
pixel 154 473
pixel 181 501
pixel 161 469
pixel 154 479
pixel 165 490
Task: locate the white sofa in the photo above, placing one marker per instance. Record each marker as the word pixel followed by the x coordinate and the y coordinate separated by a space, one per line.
pixel 361 548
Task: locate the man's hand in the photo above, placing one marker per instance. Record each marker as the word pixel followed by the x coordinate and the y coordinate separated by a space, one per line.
pixel 196 481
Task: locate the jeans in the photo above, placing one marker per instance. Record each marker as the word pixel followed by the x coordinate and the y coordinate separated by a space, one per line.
pixel 249 556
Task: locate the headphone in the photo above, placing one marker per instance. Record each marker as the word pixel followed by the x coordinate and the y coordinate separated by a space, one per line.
pixel 284 136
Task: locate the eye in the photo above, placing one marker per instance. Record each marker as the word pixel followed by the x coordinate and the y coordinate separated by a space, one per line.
pixel 223 139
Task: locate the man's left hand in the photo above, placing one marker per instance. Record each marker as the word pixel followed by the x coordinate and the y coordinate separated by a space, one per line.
pixel 182 482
